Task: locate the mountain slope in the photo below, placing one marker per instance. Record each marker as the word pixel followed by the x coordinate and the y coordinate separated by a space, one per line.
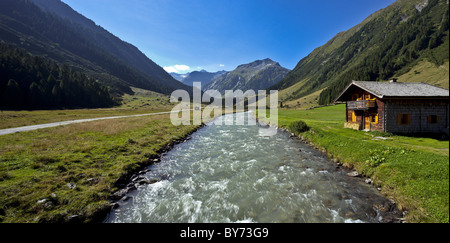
pixel 120 49
pixel 30 82
pixel 201 76
pixel 52 29
pixel 178 77
pixel 258 75
pixel 387 44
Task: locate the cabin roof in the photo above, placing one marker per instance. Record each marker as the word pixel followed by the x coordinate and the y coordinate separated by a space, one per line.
pixel 395 90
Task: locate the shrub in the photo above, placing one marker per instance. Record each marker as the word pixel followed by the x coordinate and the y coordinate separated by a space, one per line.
pixel 298 127
pixel 375 159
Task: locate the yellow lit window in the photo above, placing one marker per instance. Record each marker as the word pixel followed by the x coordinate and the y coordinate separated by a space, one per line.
pixel 353 117
pixel 374 118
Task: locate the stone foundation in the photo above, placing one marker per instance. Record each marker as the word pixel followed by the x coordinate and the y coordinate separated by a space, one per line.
pixel 351 125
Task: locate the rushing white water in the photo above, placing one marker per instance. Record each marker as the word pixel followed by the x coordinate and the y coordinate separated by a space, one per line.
pixel 231 174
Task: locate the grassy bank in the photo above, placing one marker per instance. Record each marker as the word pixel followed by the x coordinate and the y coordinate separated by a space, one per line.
pixel 412 171
pixel 50 174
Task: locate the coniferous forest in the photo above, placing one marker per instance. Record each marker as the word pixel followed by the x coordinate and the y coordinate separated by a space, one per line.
pixel 32 82
pixel 423 36
pixel 52 30
pixel 386 45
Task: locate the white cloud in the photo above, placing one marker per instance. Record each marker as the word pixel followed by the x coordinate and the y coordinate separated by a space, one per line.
pixel 222 65
pixel 176 68
pixel 182 67
pixel 170 69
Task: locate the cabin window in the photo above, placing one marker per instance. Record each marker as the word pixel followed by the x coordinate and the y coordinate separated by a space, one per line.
pixel 353 117
pixel 404 119
pixel 433 119
pixel 374 118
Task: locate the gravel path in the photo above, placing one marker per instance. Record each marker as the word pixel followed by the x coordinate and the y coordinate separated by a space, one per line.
pixel 63 123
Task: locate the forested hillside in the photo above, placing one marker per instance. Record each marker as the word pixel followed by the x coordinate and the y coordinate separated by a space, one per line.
pixel 387 44
pixel 423 36
pixel 31 82
pixel 79 43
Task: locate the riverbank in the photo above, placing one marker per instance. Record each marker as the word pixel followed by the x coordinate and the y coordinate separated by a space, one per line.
pixel 413 172
pixel 232 174
pixel 69 173
pixel 131 179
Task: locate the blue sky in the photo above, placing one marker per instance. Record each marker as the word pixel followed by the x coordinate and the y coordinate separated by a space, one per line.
pixel 189 35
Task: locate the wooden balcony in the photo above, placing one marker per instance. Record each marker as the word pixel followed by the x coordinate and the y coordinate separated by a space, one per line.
pixel 361 105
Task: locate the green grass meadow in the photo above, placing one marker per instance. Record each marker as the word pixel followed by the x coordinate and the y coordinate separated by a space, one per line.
pixel 413 171
pixel 50 174
pixel 39 169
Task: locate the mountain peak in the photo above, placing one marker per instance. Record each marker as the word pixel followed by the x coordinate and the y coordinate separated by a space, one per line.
pixel 257 75
pixel 268 60
pixel 259 64
pixel 265 61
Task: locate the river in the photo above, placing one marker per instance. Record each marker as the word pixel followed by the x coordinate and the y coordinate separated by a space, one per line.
pixel 231 174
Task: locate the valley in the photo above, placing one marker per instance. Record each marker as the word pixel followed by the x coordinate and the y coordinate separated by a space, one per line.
pixel 56 65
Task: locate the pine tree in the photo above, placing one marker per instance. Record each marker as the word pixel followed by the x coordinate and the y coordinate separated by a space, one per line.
pixel 38 83
pixel 57 95
pixel 34 95
pixel 13 95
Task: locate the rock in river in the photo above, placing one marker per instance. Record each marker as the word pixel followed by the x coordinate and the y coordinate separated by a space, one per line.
pixel 354 174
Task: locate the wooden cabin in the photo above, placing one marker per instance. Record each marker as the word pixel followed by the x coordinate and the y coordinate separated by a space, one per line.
pixel 401 108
